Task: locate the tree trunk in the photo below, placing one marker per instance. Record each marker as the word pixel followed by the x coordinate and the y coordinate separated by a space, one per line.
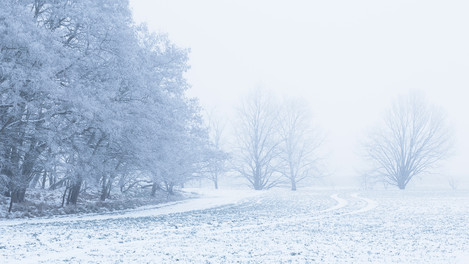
pixel 44 179
pixel 11 205
pixel 63 196
pixel 103 195
pixel 215 182
pixel 401 184
pixel 106 190
pixel 17 196
pixel 52 179
pixel 293 185
pixel 73 193
pixel 154 188
pixel 171 189
pixel 257 183
pixel 109 187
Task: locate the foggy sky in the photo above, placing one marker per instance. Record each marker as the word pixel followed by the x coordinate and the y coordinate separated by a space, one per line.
pixel 349 59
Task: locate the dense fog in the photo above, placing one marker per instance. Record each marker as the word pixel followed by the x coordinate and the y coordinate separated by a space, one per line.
pixel 225 131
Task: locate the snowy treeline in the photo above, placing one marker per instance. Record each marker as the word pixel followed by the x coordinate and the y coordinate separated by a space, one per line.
pixel 89 98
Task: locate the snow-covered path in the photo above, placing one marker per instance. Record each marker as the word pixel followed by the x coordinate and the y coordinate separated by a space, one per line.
pixel 209 199
pixel 340 203
pixel 370 204
pixel 276 226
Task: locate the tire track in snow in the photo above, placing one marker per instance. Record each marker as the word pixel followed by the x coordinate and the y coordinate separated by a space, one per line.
pixel 370 205
pixel 340 203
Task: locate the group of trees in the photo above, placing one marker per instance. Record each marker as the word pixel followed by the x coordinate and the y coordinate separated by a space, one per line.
pixel 276 142
pixel 89 98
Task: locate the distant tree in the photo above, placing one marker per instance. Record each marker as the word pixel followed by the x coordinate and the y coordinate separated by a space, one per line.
pixel 257 156
pixel 299 142
pixel 453 182
pixel 368 179
pixel 216 157
pixel 415 137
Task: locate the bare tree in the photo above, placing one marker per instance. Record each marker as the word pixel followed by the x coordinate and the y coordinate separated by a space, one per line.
pixel 453 182
pixel 415 138
pixel 258 141
pixel 299 142
pixel 369 179
pixel 217 163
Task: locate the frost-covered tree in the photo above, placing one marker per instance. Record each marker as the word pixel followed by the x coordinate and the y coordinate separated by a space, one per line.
pixel 30 58
pixel 88 97
pixel 257 156
pixel 415 137
pixel 179 153
pixel 169 130
pixel 101 37
pixel 299 142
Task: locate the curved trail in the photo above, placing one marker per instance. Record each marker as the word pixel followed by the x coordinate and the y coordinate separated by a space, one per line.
pixel 370 204
pixel 203 203
pixel 206 201
pixel 340 203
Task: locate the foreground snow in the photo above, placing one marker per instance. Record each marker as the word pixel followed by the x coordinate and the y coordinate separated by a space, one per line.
pixel 245 226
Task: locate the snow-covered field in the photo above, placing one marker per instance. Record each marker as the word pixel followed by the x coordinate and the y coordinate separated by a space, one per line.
pixel 275 226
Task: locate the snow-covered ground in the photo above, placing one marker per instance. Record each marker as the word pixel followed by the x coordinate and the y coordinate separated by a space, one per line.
pixel 275 226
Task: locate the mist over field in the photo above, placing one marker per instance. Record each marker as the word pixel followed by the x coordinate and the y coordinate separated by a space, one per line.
pixel 227 131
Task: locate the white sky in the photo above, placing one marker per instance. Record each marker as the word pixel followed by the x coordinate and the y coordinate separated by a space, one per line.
pixel 349 59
